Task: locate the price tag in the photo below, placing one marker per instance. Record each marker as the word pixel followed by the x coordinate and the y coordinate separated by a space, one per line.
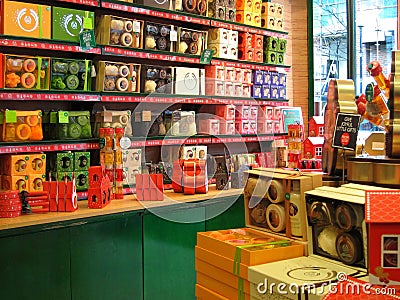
pixel 346 130
pixel 206 56
pixel 63 117
pixel 136 26
pixel 173 36
pixel 87 39
pixel 125 142
pixel 11 116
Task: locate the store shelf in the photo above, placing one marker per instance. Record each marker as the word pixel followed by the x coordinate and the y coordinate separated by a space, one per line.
pixel 30 95
pixel 83 2
pixel 249 65
pixel 48 146
pixel 148 54
pixel 247 28
pixel 153 12
pixel 163 98
pixel 9 41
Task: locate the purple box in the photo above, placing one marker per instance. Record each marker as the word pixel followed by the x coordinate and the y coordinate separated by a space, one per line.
pixel 282 79
pixel 282 92
pixel 274 78
pixel 267 77
pixel 274 91
pixel 257 93
pixel 266 91
pixel 258 77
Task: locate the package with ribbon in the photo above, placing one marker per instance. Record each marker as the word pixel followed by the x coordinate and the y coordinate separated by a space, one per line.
pixel 113 119
pixel 68 125
pixel 70 74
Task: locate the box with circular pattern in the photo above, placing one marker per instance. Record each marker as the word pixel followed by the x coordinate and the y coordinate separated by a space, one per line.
pixel 118 77
pixel 16 125
pixel 161 37
pixel 72 125
pixel 191 41
pixel 70 74
pixel 117 31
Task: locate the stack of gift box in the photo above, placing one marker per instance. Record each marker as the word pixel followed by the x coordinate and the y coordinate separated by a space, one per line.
pixel 269 85
pixel 250 47
pixel 224 43
pixel 269 119
pixel 272 16
pixel 222 10
pixel 248 12
pixel 228 81
pixel 132 165
pixel 23 172
pixel 69 165
pixel 246 119
pixel 274 50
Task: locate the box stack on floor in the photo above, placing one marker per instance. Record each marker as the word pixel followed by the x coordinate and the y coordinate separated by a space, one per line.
pixel 223 257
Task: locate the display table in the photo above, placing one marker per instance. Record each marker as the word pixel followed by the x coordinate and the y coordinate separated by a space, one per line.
pixel 127 250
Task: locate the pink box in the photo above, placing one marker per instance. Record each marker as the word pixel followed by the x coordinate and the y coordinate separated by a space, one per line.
pixel 229 91
pixel 227 127
pixel 238 89
pixel 270 127
pixel 277 127
pixel 229 74
pixel 239 75
pixel 242 112
pixel 252 127
pixel 277 113
pixel 242 126
pixel 247 76
pixel 261 127
pixel 226 112
pixel 265 112
pixel 246 90
pixel 209 126
pixel 253 113
pixel 215 72
pixel 215 87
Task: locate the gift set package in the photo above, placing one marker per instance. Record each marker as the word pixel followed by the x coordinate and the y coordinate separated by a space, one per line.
pixel 26 19
pixel 269 85
pixel 132 165
pixel 191 41
pixel 157 79
pixel 248 12
pixel 197 7
pixel 181 123
pixel 114 119
pixel 68 23
pixel 25 72
pixel 117 31
pixel 161 37
pixel 224 10
pixel 189 81
pixel 70 74
pixel 272 16
pixel 118 77
pixel 23 172
pixel 228 81
pixel 274 50
pixel 250 47
pixel 147 123
pixel 223 42
pixel 67 125
pixel 16 125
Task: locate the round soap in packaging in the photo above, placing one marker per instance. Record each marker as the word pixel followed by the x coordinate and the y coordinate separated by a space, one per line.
pixel 275 192
pixel 275 216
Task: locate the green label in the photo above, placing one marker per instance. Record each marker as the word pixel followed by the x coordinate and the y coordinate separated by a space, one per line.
pixel 206 56
pixel 11 116
pixel 63 117
pixel 102 143
pixel 87 23
pixel 87 39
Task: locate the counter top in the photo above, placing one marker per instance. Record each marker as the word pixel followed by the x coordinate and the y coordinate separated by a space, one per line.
pixel 128 204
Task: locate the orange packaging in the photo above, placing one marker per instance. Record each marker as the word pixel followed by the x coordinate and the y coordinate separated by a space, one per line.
pixel 203 293
pixel 26 19
pixel 225 242
pixel 19 183
pixel 15 165
pixel 244 17
pixel 21 125
pixel 37 164
pixel 36 182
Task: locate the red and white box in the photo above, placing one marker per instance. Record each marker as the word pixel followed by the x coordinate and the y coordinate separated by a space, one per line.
pixel 246 90
pixel 242 126
pixel 246 40
pixel 215 87
pixel 227 127
pixel 229 90
pixel 265 112
pixel 277 113
pixel 258 42
pixel 238 75
pixel 252 127
pixel 247 76
pixel 229 74
pixel 215 72
pixel 226 112
pixel 238 90
pixel 242 112
pixel 209 126
pixel 253 113
pixel 261 127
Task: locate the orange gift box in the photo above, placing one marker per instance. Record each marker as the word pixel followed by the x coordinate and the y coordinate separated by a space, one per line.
pixel 20 183
pixel 16 165
pixel 21 125
pixel 26 19
pixel 37 164
pixel 203 293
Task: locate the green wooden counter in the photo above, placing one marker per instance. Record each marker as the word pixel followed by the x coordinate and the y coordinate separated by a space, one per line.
pixel 127 250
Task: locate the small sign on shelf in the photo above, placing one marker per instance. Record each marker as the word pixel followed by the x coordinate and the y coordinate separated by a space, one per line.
pixel 346 131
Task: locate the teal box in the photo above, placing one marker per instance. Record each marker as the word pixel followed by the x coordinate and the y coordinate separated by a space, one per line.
pixel 81 161
pixel 67 23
